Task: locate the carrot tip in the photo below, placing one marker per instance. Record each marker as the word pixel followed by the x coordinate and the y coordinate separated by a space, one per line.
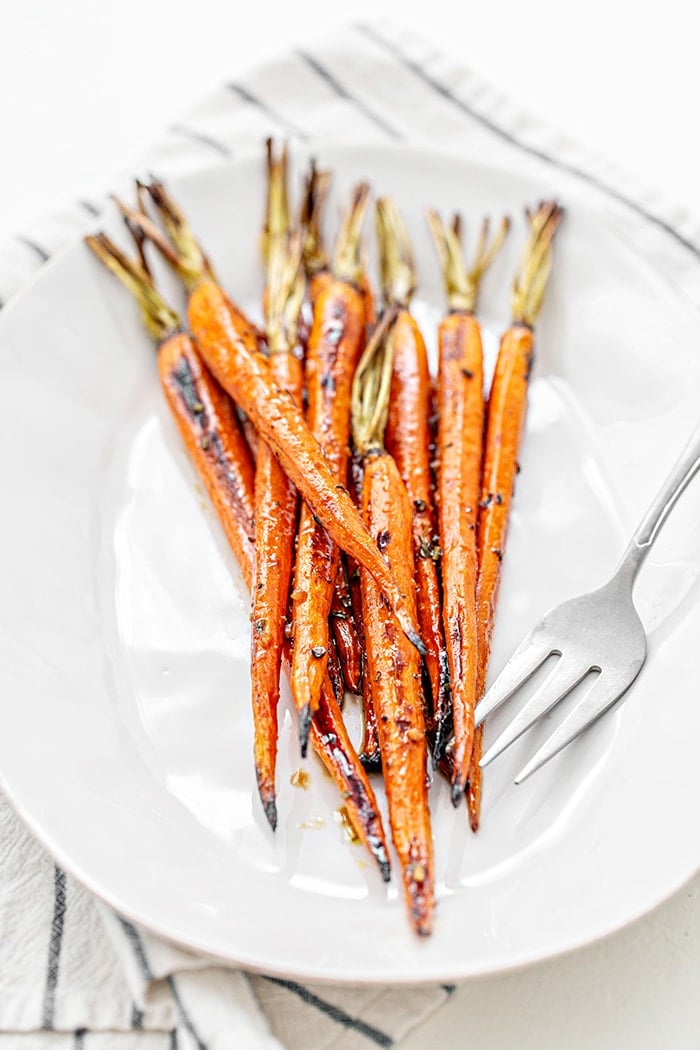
pixel 371 763
pixel 266 790
pixel 440 742
pixel 304 727
pixel 384 866
pixel 270 808
pixel 457 794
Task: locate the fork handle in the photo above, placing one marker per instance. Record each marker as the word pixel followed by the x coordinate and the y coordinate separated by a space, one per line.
pixel 681 475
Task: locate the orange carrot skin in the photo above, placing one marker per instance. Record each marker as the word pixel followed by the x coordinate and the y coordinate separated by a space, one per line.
pixel 460 431
pixel 251 436
pixel 228 345
pixel 335 344
pixel 226 470
pixel 505 421
pixel 275 530
pixel 368 296
pixel 318 284
pixel 408 439
pixel 210 429
pixel 395 671
pixel 345 634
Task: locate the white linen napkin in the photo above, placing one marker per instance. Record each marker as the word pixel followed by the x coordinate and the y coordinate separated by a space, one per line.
pixel 72 973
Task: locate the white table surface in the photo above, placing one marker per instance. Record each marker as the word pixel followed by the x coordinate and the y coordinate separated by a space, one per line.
pixel 86 85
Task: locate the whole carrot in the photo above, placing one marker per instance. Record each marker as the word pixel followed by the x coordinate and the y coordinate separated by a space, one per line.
pixel 205 417
pixel 505 419
pixel 393 665
pixel 319 277
pixel 228 343
pixel 335 343
pixel 408 439
pixel 459 448
pixel 275 496
pixel 370 756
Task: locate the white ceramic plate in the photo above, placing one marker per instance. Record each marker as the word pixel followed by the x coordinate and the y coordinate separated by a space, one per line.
pixel 126 738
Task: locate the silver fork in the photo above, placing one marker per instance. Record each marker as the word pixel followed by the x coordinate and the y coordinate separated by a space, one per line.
pixel 600 631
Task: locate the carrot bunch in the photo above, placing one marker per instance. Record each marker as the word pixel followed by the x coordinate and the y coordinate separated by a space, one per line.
pixel 366 504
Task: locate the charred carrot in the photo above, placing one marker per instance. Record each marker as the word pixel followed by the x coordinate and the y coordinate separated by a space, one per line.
pixel 459 449
pixel 275 496
pixel 505 419
pixel 205 417
pixel 393 665
pixel 408 439
pixel 317 268
pixel 228 343
pixel 370 756
pixel 335 343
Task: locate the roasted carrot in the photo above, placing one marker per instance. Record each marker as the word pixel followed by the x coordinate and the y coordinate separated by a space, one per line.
pixel 318 273
pixel 275 497
pixel 393 665
pixel 370 756
pixel 505 419
pixel 459 448
pixel 408 439
pixel 335 343
pixel 205 417
pixel 228 343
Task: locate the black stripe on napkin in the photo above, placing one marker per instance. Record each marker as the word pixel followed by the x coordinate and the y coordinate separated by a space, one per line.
pixel 79 1038
pixel 136 1017
pixel 90 208
pixel 55 939
pixel 375 1036
pixel 173 1039
pixel 341 91
pixel 137 948
pixel 36 248
pixel 186 1019
pixel 534 151
pixel 247 96
pixel 201 139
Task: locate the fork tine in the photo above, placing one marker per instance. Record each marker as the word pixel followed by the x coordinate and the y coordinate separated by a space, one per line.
pixel 530 654
pixel 599 698
pixel 563 678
